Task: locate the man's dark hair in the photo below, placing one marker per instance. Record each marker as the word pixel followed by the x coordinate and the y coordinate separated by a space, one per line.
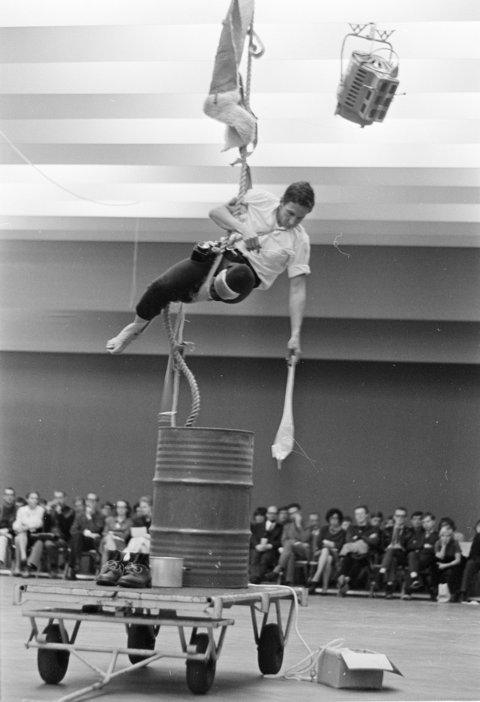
pixel 294 504
pixel 331 512
pixel 301 193
pixel 260 510
pixel 448 521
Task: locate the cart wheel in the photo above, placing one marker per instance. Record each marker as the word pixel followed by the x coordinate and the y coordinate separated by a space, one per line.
pixel 52 665
pixel 200 674
pixel 140 636
pixel 270 650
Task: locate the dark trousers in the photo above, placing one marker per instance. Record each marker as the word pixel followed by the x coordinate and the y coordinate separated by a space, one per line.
pixel 351 566
pixel 78 544
pixel 391 560
pixel 452 576
pixel 52 549
pixel 472 567
pixel 180 283
pixel 262 563
pixel 421 563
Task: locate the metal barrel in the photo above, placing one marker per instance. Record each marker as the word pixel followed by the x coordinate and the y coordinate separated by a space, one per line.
pixel 201 503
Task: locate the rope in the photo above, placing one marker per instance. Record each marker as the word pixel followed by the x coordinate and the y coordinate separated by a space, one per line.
pixel 255 50
pixel 181 364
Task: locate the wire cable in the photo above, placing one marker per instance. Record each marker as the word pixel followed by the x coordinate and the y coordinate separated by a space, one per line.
pixel 26 160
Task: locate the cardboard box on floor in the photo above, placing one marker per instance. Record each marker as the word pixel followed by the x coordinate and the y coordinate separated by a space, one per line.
pixel 344 667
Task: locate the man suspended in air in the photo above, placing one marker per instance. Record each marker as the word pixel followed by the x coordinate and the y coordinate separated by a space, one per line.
pixel 271 240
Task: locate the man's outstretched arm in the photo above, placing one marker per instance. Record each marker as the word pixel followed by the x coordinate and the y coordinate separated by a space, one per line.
pixel 298 298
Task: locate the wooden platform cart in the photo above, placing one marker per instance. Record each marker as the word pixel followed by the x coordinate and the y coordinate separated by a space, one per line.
pixel 198 614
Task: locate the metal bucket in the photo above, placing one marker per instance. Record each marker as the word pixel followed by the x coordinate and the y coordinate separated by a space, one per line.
pixel 166 571
pixel 201 503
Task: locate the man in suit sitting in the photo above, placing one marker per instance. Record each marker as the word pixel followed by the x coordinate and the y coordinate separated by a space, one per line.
pixel 265 542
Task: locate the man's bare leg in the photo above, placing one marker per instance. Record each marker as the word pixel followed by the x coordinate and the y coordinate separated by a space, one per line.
pixel 127 335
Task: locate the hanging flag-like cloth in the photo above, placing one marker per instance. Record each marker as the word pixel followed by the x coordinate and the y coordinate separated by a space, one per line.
pixel 225 101
pixel 285 439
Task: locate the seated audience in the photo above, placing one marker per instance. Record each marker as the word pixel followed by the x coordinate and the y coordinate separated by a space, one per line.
pixel 140 529
pixel 108 509
pixel 449 561
pixel 292 533
pixel 28 521
pixel 421 557
pixel 394 546
pixel 8 513
pixel 307 546
pixel 259 515
pixel 361 541
pixel 86 532
pixel 117 530
pixel 472 568
pixel 376 520
pixel 282 517
pixel 388 522
pixel 416 526
pixel 131 568
pixel 265 542
pixel 330 542
pixel 60 517
pixel 35 532
pixel 458 536
pixel 78 505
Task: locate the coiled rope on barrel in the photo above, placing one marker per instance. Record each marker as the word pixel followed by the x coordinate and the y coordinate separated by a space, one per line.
pixel 181 364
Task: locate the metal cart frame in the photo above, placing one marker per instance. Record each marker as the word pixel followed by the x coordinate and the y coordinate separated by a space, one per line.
pixel 197 613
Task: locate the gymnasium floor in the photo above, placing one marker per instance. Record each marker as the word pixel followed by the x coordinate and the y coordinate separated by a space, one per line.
pixel 435 646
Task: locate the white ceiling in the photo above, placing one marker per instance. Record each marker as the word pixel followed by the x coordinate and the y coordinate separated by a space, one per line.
pixel 102 123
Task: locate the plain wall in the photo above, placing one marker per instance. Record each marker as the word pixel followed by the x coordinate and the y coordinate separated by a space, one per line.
pixel 384 434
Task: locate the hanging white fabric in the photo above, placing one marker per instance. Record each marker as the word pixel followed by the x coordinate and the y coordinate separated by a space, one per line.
pixel 284 439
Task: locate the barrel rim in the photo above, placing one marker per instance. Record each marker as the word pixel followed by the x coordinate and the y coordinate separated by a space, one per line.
pixel 191 429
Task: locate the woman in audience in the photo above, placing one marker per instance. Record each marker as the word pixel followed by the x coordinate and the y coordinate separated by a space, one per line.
pixel 116 532
pixel 29 519
pixel 449 558
pixel 331 540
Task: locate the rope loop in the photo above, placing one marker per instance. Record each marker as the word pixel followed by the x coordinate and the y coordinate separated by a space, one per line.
pixel 182 366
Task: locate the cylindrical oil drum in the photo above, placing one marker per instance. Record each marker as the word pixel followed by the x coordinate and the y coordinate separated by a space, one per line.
pixel 201 503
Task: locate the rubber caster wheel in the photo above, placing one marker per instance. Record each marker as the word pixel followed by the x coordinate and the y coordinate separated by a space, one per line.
pixel 52 665
pixel 200 674
pixel 140 636
pixel 270 650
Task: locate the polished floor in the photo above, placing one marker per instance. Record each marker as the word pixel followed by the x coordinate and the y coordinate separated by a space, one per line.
pixel 435 646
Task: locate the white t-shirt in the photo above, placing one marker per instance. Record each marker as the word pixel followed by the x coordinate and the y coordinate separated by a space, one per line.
pixel 280 249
